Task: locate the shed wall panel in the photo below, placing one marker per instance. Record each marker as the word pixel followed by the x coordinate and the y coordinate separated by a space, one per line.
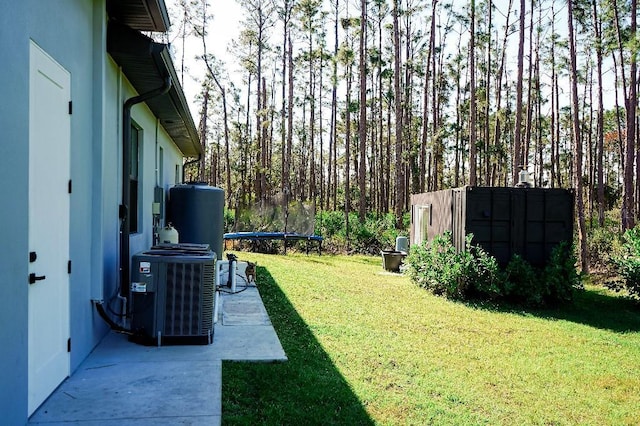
pixel 440 220
pixel 504 221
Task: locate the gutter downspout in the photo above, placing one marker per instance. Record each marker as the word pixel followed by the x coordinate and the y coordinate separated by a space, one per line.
pixel 125 226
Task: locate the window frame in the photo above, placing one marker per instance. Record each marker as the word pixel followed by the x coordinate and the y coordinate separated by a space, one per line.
pixel 135 187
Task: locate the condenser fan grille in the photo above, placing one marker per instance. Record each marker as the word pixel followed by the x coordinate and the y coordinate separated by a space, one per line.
pixel 189 306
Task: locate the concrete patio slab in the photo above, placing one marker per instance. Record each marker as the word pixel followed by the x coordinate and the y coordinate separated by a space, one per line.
pixel 256 343
pixel 122 382
pixel 124 391
pixel 244 310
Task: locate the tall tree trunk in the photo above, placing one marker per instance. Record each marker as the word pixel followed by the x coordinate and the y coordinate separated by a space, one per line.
pixel 555 167
pixel 286 16
pixel 347 155
pixel 400 184
pixel 497 136
pixel 632 106
pixel 333 156
pixel 412 180
pixel 577 144
pixel 473 160
pixel 425 111
pixel 458 102
pixel 556 130
pixel 538 94
pixel 436 140
pixel 321 127
pixel 204 131
pixel 383 175
pixel 246 151
pixel 628 214
pixel 487 99
pixel 259 171
pixel 312 118
pixel 223 94
pixel 263 130
pixel 526 141
pixel 290 98
pixel 517 160
pixel 362 122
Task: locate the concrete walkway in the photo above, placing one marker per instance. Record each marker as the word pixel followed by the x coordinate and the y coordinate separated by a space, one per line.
pixel 123 383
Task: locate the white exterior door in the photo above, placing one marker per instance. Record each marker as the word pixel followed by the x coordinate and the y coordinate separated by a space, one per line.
pixel 49 173
pixel 422 217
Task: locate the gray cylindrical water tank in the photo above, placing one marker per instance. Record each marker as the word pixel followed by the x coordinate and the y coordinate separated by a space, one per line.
pixel 197 212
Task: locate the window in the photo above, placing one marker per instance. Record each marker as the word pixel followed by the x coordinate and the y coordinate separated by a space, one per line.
pixel 134 183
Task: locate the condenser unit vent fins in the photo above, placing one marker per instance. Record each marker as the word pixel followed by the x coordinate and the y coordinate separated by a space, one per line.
pixel 208 296
pixel 183 299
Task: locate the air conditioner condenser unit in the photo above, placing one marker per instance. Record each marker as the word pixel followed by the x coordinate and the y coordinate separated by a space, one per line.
pixel 172 295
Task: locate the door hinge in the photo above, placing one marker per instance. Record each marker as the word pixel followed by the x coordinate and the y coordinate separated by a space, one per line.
pixel 69 267
pixel 69 344
pixel 70 186
pixel 70 107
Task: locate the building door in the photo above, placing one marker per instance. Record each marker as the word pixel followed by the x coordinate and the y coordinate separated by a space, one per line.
pixel 422 221
pixel 49 187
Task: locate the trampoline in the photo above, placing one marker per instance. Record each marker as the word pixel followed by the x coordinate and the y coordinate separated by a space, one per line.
pixel 270 236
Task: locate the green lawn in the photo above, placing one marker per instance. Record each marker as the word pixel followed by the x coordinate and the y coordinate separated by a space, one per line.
pixel 369 347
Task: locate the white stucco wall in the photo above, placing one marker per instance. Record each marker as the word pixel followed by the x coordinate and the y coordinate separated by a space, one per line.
pixel 98 91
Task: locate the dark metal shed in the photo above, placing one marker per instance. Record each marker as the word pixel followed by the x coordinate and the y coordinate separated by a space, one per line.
pixel 504 221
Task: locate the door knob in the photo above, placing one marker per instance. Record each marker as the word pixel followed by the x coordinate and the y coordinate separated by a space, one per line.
pixel 33 278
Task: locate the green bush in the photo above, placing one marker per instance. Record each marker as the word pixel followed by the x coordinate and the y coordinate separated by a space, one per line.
pixel 376 233
pixel 560 274
pixel 474 274
pixel 443 270
pixel 603 241
pixel 229 220
pixel 522 284
pixel 600 243
pixel 487 277
pixel 627 262
pixel 437 267
pixel 329 223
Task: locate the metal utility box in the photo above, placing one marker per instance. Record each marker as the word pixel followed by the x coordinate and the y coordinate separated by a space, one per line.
pixel 504 221
pixel 172 294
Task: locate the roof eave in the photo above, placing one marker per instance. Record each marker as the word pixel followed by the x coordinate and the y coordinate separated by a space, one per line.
pixel 142 15
pixel 146 65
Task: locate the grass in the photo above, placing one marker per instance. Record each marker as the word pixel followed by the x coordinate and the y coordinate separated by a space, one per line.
pixel 367 347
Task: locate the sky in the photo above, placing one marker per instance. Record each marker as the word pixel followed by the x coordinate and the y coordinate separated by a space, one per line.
pixel 224 27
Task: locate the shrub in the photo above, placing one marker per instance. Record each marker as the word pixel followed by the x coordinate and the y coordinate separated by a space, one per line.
pixel 487 277
pixel 474 274
pixel 627 262
pixel 437 267
pixel 229 219
pixel 560 274
pixel 602 241
pixel 522 284
pixel 376 233
pixel 443 270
